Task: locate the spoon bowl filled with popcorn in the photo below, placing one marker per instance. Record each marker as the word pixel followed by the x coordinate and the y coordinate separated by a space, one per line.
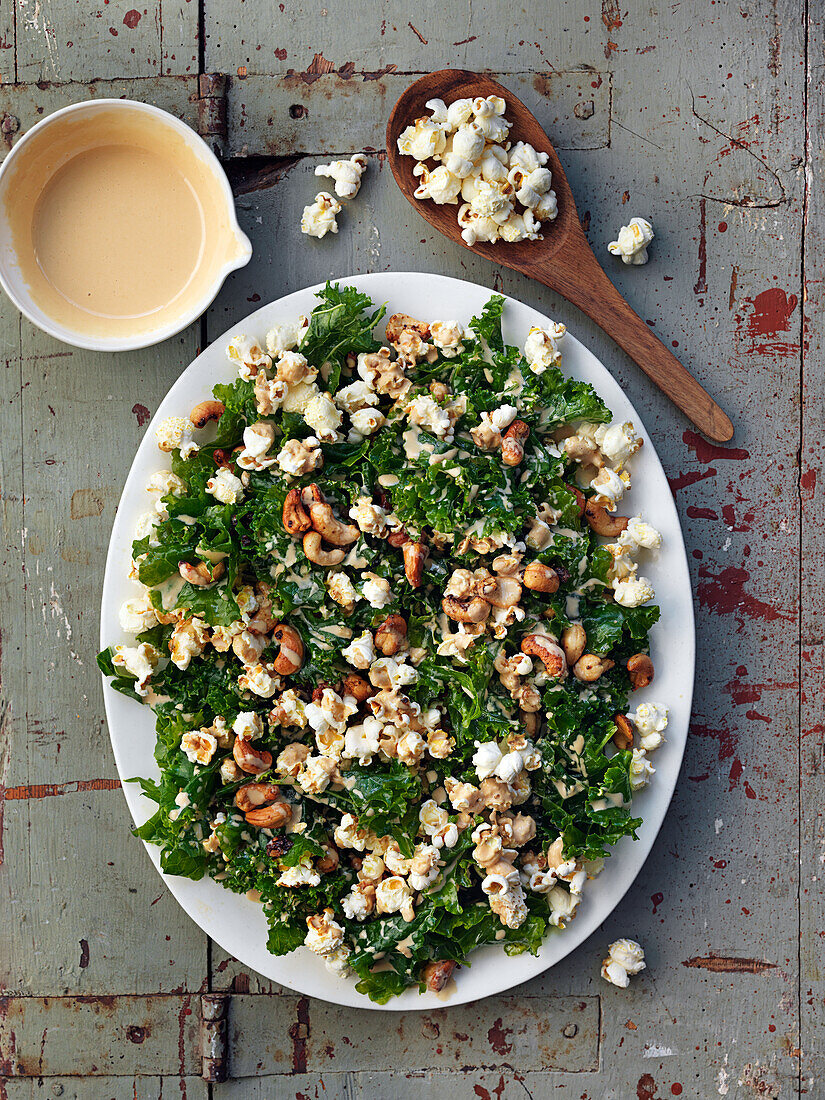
pixel 477 164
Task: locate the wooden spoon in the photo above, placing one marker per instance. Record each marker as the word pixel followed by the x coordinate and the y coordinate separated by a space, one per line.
pixel 564 260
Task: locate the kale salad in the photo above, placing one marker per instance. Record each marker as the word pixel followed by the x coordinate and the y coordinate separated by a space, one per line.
pixel 391 626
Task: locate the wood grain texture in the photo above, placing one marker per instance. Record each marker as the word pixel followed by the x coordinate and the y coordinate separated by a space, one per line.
pixel 728 169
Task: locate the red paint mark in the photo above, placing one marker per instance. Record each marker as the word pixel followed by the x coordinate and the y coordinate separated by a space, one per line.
pixel 726 738
pixel 772 311
pixel 676 1089
pixel 497 1037
pixel 723 228
pixel 481 1092
pixel 596 83
pixel 752 693
pixel 701 284
pixel 254 298
pixel 611 14
pixel 113 32
pixel 755 716
pixel 726 964
pixel 132 18
pixel 807 482
pixel 135 1034
pixel 84 954
pixel 418 34
pixel 142 414
pixel 50 790
pixel 683 481
pixel 720 864
pixel 280 54
pixel 729 516
pixel 736 770
pixel 749 791
pixel 724 593
pixel 646 1088
pixel 299 1033
pixel 701 513
pixel 709 452
pixel 657 900
pixel 463 41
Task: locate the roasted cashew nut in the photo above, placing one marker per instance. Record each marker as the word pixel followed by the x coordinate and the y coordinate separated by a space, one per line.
pixel 590 667
pixel 601 521
pixel 331 529
pixel 329 860
pixel 203 574
pixel 415 554
pixel 436 974
pixel 270 817
pixel 250 760
pixel 391 635
pixel 548 652
pixel 295 517
pixel 357 687
pixel 623 737
pixel 252 795
pixel 291 654
pixel 581 500
pixel 573 642
pixel 512 443
pixel 640 668
pixel 206 411
pixel 475 610
pixel 314 550
pixel 541 578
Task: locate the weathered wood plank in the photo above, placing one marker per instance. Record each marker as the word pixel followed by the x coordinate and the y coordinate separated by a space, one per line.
pixel 812 549
pixel 98 1036
pixel 106 1088
pixel 333 112
pixel 80 41
pixel 303 1036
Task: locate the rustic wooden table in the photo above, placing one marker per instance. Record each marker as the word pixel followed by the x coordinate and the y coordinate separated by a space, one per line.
pixel 705 116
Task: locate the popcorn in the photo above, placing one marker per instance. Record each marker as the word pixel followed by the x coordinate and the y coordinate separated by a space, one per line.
pixel 370 518
pixel 486 758
pixel 440 184
pixel 609 486
pixel 225 487
pixel 366 422
pixel 342 590
pixel 285 336
pixel 293 367
pixel 376 590
pixel 524 156
pixel 248 726
pixel 260 680
pixel 641 770
pixel 137 615
pixel 423 140
pixel 319 218
pixel 360 653
pixel 650 720
pixel 199 746
pixel 468 141
pixel 257 439
pixel 248 355
pixel 541 347
pixel 346 173
pixel 139 662
pixel 175 433
pixel 446 336
pixel 639 535
pixel 632 591
pixel 302 874
pixel 357 395
pixel 393 895
pixel 624 958
pixel 361 741
pixel 324 418
pixel 300 456
pixel 189 639
pixel 617 442
pixel 520 227
pixel 632 241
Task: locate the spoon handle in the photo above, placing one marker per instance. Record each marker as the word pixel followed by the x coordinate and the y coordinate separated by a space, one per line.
pixel 588 287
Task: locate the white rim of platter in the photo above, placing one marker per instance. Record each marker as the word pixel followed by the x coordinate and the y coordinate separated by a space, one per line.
pixel 237 924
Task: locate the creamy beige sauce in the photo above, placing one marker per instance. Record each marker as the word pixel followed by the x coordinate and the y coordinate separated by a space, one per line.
pixel 119 226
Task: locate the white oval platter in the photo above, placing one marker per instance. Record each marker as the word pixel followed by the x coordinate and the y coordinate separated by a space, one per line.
pixel 238 924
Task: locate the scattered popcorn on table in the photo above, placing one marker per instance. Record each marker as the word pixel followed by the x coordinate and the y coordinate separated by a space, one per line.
pixel 319 218
pixel 632 242
pixel 346 173
pixel 624 958
pixel 506 192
